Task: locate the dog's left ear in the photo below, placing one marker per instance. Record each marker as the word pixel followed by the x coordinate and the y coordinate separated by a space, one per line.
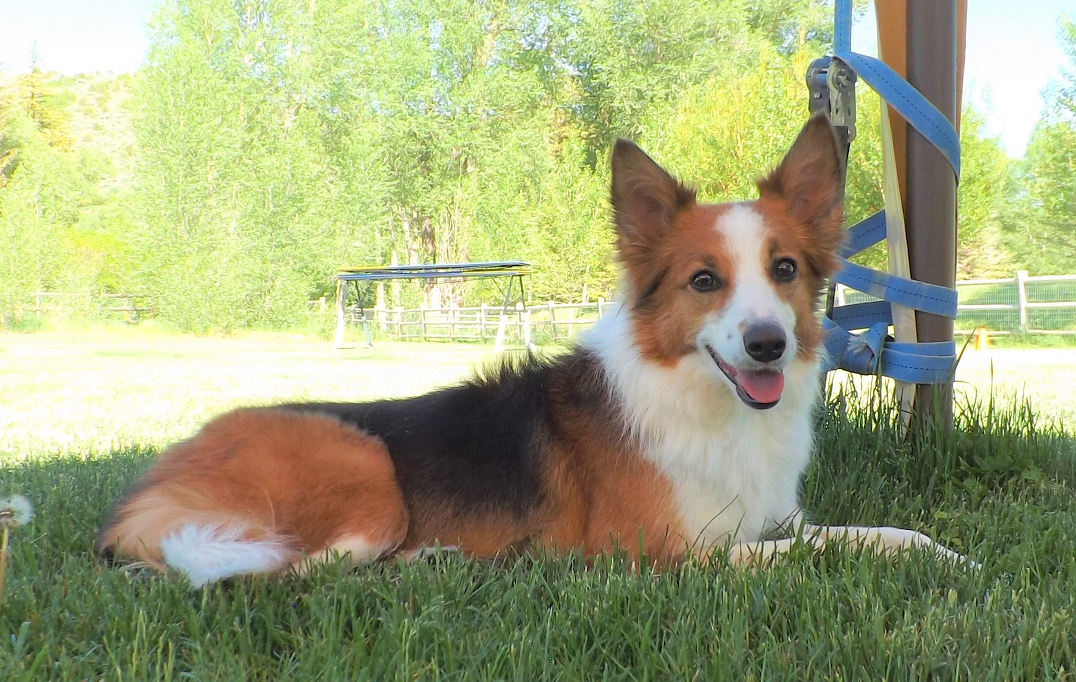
pixel 810 180
pixel 645 198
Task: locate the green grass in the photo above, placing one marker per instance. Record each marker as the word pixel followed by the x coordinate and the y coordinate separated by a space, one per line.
pixel 78 425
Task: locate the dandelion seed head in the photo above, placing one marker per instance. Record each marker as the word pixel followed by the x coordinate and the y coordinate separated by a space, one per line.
pixel 15 511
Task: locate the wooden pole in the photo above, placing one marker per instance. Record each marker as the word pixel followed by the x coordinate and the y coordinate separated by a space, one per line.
pixel 1021 298
pixel 341 297
pixel 930 202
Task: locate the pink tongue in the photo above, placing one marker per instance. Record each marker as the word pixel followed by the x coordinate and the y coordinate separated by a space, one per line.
pixel 762 387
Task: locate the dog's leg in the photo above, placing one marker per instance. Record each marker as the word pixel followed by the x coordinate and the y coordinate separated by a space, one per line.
pixel 885 540
pixel 760 552
pixel 881 539
pixel 354 550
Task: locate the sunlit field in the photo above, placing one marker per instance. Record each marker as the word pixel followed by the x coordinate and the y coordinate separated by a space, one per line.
pixel 82 414
pixel 92 392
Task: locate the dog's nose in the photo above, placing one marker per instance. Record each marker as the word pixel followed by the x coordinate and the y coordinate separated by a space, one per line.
pixel 764 341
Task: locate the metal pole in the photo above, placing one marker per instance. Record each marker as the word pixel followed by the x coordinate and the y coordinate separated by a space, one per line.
pixel 930 208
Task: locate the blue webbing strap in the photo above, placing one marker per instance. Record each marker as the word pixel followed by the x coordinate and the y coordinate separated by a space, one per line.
pixel 842 29
pixel 929 298
pixel 865 234
pixel 909 103
pixel 916 109
pixel 862 315
pixel 873 351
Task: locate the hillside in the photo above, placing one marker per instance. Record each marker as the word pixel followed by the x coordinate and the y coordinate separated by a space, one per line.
pixel 100 118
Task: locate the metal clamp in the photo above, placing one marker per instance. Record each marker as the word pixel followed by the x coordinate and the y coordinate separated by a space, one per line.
pixel 832 85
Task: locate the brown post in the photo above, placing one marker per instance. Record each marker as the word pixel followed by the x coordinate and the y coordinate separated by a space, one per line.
pixel 930 206
pixel 341 313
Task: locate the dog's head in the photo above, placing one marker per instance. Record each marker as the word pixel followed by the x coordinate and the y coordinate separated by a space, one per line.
pixel 735 285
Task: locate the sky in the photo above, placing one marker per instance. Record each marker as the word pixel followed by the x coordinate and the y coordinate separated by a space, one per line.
pixel 1012 52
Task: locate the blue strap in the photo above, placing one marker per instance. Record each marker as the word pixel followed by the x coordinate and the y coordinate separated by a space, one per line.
pixel 929 298
pixel 863 315
pixel 918 367
pixel 873 353
pixel 915 108
pixel 842 30
pixel 865 234
pixel 857 353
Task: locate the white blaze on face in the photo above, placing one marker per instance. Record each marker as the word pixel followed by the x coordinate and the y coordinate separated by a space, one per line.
pixel 754 299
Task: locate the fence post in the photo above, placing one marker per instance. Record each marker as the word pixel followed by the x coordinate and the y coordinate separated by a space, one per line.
pixel 601 304
pixel 502 323
pixel 527 329
pixel 422 323
pixel 482 322
pixel 341 322
pixel 399 323
pixel 552 321
pixel 1021 293
pixel 381 314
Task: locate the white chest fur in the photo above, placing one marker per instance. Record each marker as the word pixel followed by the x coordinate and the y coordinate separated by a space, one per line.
pixel 735 471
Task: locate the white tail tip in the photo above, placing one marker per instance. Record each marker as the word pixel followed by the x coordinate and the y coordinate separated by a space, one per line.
pixel 208 553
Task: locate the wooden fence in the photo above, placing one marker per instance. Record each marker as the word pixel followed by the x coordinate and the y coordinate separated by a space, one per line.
pixel 1020 304
pixel 129 308
pixel 546 323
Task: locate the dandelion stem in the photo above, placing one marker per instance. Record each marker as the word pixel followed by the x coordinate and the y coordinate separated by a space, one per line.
pixel 3 565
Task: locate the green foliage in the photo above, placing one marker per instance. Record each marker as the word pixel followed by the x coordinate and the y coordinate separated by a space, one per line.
pixel 64 225
pixel 1043 230
pixel 41 104
pixel 1041 227
pixel 985 195
pixel 267 143
pixel 282 140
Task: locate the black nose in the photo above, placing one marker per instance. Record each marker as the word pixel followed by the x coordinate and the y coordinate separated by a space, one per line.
pixel 764 341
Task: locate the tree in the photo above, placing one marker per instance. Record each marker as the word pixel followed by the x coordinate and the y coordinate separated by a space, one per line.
pixel 1041 229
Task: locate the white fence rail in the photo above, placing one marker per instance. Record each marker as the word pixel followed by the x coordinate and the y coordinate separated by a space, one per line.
pixel 545 323
pixel 1021 304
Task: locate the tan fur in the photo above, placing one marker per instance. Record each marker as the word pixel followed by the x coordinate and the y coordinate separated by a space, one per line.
pixel 307 480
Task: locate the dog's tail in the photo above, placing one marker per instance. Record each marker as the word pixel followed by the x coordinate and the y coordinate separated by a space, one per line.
pixel 157 526
pixel 257 491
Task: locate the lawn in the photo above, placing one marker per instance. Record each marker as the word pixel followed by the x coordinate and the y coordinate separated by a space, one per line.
pixel 81 414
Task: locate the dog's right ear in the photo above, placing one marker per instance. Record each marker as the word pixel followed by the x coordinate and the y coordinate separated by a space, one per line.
pixel 645 198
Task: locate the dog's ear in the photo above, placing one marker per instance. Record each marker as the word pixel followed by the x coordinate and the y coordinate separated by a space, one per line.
pixel 810 180
pixel 810 184
pixel 645 197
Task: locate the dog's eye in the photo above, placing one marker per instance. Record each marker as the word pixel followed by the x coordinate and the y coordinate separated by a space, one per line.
pixel 704 280
pixel 784 270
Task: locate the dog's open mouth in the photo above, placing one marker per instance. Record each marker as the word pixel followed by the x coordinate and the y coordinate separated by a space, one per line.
pixel 757 388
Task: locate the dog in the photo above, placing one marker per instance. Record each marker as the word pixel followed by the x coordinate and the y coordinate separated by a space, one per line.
pixel 680 425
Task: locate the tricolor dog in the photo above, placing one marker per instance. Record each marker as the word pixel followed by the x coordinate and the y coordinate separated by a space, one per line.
pixel 680 425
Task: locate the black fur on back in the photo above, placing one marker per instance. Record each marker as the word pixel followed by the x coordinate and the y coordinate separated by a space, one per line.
pixel 477 445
